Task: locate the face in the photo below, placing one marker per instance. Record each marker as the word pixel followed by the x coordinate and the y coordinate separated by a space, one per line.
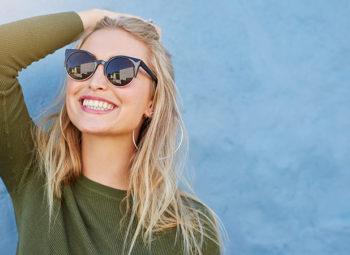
pixel 131 102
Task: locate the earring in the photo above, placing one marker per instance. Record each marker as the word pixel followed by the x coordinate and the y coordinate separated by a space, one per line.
pixel 133 139
pixel 182 134
pixel 61 125
pixel 133 133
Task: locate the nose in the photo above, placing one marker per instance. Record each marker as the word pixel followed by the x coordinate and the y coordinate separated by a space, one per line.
pixel 98 81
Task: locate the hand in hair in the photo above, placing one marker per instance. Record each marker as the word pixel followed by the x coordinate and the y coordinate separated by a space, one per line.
pixel 92 16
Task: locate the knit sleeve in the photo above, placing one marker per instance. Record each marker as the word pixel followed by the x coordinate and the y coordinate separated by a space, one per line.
pixel 23 42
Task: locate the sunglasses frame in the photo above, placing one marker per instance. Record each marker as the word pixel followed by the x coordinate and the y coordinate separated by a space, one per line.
pixel 136 62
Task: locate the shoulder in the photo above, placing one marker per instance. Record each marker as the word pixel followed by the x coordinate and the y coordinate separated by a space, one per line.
pixel 199 206
pixel 210 222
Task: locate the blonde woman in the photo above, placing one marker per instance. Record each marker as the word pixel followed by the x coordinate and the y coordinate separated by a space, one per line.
pixel 100 173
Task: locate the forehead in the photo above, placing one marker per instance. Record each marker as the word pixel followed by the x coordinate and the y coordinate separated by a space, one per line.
pixel 105 43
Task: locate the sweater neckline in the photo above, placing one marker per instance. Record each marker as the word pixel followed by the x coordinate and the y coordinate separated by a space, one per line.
pixel 100 188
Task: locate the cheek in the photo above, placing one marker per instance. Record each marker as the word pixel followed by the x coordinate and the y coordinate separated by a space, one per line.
pixel 69 90
pixel 71 86
pixel 69 93
pixel 135 100
pixel 71 100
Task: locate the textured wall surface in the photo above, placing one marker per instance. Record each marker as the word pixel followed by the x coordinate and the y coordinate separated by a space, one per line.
pixel 266 99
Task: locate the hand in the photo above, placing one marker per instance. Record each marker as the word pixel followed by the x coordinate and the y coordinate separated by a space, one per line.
pixel 91 17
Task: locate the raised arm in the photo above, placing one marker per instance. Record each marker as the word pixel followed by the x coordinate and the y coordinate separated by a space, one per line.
pixel 23 42
pixel 28 40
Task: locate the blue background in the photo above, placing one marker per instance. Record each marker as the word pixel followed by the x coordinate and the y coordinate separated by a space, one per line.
pixel 266 99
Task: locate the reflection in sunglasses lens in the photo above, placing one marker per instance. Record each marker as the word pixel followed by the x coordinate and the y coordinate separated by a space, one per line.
pixel 120 71
pixel 80 65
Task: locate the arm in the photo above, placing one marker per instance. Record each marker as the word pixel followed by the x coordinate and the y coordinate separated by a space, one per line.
pixel 21 43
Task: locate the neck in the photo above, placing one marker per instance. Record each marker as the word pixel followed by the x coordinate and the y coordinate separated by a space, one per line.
pixel 106 159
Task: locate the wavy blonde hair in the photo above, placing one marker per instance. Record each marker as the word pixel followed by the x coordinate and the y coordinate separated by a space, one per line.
pixel 154 199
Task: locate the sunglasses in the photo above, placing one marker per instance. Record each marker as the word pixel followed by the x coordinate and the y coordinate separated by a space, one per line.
pixel 120 70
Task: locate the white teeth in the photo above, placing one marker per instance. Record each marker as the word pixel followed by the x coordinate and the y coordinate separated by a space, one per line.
pixel 97 105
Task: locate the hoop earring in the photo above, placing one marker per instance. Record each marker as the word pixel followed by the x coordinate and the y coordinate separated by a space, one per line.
pixel 61 125
pixel 182 134
pixel 147 119
pixel 133 139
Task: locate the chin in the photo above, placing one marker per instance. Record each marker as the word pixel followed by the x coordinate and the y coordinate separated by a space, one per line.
pixel 94 130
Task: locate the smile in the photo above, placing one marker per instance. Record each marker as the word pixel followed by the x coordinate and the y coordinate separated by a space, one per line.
pixel 95 106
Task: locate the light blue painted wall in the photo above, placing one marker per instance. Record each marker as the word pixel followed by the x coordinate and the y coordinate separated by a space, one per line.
pixel 266 95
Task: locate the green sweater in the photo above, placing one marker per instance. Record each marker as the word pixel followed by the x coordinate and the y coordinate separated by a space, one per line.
pixel 86 220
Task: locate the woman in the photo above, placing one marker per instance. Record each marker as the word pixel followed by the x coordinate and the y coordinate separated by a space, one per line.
pixel 100 173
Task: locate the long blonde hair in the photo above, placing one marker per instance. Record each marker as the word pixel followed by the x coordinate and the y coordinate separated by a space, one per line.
pixel 154 198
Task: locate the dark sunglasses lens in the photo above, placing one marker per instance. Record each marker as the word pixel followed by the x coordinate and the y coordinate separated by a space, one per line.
pixel 120 71
pixel 80 65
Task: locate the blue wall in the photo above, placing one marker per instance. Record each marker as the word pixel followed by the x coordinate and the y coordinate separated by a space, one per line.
pixel 266 95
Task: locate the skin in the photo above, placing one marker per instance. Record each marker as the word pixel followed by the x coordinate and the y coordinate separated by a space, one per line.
pixel 107 144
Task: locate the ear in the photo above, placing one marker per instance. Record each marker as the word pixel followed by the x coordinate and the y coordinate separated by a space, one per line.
pixel 149 110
